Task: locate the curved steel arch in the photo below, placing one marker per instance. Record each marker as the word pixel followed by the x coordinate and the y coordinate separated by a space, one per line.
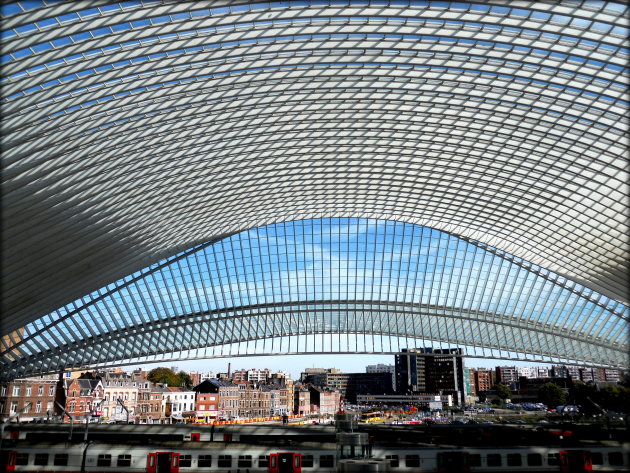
pixel 124 124
pixel 350 280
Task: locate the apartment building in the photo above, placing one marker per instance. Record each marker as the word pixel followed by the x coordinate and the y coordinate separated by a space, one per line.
pixel 323 400
pixel 179 403
pixel 84 397
pixel 301 400
pixel 35 397
pixel 217 399
pixel 255 400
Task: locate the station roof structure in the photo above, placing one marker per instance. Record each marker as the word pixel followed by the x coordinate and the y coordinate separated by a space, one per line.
pixel 139 136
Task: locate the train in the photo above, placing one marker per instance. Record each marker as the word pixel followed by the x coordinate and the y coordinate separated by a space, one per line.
pixel 22 455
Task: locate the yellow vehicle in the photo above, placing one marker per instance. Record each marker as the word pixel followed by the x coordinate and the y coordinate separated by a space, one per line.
pixel 371 416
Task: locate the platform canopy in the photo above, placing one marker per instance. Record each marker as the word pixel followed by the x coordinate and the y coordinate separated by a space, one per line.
pixel 138 136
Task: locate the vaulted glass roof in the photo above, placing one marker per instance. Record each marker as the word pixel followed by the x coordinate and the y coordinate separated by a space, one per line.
pixel 134 131
pixel 330 285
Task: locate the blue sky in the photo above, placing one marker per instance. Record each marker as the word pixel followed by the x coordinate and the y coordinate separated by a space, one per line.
pixel 342 259
pixel 295 364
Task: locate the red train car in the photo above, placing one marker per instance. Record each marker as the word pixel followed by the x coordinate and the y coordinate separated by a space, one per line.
pixel 576 461
pixel 163 462
pixel 285 462
pixel 7 458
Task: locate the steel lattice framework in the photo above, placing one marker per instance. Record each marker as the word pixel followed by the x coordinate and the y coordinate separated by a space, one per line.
pixel 135 131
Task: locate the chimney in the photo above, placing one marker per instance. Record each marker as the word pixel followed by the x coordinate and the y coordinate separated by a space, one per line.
pixel 229 370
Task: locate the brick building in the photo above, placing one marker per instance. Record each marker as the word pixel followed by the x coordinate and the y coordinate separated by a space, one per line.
pixel 281 399
pixel 323 400
pixel 484 381
pixel 207 400
pixel 17 394
pixel 508 375
pixel 301 400
pixel 149 403
pixel 255 401
pixel 84 397
pixel 225 403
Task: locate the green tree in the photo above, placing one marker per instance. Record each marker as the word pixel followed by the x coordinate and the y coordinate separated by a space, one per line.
pixel 163 375
pixel 552 395
pixel 503 391
pixel 615 398
pixel 168 376
pixel 184 380
pixel 585 396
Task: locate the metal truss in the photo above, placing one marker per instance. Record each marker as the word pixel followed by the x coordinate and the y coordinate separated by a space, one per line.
pixel 253 288
pixel 354 327
pixel 134 131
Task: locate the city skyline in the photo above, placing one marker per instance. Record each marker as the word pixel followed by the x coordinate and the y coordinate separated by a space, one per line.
pixel 290 363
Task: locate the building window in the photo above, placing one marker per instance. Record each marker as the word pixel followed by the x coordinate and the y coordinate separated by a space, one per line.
pixel 40 391
pixel 41 459
pixel 124 460
pixel 206 461
pixel 244 461
pixel 38 407
pixel 51 390
pixel 61 459
pixel 49 405
pixel 16 390
pixel 3 391
pixel 29 390
pixel 104 459
pixel 14 407
pixel 225 461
